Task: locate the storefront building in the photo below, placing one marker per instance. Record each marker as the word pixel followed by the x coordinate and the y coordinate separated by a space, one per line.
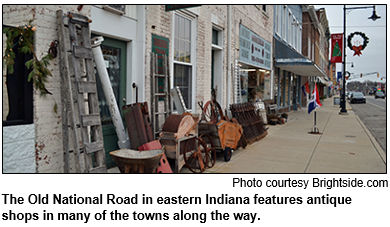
pixel 209 47
pixel 252 78
pixel 292 67
pixel 34 141
pixel 254 67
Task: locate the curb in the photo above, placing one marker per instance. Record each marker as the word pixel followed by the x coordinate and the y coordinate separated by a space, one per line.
pixel 379 149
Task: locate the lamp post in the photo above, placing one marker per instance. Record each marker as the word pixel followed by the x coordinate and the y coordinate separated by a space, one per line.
pixel 374 17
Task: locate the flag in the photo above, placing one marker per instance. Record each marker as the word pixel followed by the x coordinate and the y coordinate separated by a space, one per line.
pixel 305 88
pixel 314 100
pixel 339 75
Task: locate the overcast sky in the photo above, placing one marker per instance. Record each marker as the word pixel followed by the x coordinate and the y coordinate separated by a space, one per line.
pixel 373 58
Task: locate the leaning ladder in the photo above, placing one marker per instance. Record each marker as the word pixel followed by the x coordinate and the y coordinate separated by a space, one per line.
pixel 78 85
pixel 158 112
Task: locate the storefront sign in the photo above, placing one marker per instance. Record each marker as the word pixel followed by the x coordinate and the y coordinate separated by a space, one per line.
pixel 254 49
pixel 337 47
pixel 160 46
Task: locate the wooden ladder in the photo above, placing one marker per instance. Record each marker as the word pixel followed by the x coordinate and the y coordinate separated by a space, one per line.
pixel 80 107
pixel 158 111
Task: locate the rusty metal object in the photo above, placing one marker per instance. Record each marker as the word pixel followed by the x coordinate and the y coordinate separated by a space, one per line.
pixel 250 119
pixel 213 112
pixel 180 125
pixel 132 161
pixel 138 124
pixel 196 157
pixel 172 123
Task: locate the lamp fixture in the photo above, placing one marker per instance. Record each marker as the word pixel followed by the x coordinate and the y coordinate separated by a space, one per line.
pixel 374 17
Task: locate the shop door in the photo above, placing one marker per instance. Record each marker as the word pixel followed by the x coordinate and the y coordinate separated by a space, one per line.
pixel 114 54
pixel 295 94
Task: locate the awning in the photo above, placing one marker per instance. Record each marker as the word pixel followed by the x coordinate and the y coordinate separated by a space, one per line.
pixel 299 66
pixel 290 60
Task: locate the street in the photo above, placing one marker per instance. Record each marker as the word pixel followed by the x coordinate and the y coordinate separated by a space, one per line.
pixel 373 115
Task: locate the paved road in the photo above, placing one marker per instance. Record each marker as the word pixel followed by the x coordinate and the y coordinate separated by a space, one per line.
pixel 373 115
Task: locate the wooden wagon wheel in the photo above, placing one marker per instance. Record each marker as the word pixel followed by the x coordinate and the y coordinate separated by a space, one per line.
pixel 213 112
pixel 195 155
pixel 211 153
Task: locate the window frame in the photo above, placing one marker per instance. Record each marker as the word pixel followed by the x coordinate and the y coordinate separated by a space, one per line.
pixel 23 88
pixel 217 63
pixel 192 83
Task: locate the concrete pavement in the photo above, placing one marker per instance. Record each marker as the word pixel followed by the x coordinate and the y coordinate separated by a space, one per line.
pixel 345 145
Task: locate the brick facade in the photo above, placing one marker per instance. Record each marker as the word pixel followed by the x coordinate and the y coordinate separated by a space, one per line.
pixel 47 124
pixel 46 142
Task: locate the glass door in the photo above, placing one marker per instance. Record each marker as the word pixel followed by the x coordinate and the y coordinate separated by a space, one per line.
pixel 114 54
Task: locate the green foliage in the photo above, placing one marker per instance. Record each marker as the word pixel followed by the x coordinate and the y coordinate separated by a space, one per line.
pixel 22 37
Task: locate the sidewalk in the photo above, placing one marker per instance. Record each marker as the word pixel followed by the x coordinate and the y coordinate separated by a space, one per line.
pixel 345 146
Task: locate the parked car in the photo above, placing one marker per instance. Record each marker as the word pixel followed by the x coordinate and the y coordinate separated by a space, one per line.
pixel 349 95
pixel 357 97
pixel 379 94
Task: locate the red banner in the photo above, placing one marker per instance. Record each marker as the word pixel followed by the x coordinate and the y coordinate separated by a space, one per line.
pixel 337 48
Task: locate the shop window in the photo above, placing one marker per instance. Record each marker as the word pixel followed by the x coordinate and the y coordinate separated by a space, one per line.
pixel 182 75
pixel 17 91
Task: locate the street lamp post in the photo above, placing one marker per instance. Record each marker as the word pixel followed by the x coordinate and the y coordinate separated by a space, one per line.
pixel 374 17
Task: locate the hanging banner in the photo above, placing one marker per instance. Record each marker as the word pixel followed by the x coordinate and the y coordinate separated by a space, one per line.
pixel 339 75
pixel 337 48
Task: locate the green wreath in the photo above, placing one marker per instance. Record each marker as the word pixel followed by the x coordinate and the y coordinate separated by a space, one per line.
pixel 365 38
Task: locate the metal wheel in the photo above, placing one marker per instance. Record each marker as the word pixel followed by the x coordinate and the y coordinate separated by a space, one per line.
pixel 193 155
pixel 213 112
pixel 227 154
pixel 211 153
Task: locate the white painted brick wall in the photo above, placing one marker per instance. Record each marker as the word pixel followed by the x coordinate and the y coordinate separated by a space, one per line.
pixel 47 124
pixel 18 149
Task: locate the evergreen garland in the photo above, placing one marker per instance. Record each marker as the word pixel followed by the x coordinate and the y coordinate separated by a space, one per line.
pixel 25 41
pixel 365 38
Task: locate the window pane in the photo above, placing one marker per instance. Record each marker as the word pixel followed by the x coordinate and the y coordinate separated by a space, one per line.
pixel 182 39
pixel 187 52
pixel 215 37
pixel 187 26
pixel 176 26
pixel 183 79
pixel 176 52
pixel 111 57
